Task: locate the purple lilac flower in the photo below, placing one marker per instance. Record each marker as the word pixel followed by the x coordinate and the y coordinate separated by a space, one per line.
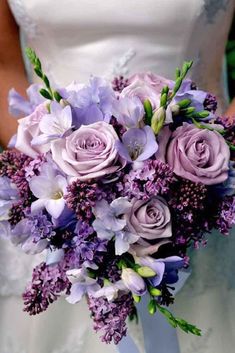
pixel 154 178
pixel 210 103
pixel 81 197
pixel 19 106
pixel 11 162
pixel 17 212
pixel 137 144
pixel 48 283
pixel 33 233
pixel 110 317
pixel 34 167
pixel 226 215
pixel 119 83
pixel 188 198
pixel 86 247
pixel 91 103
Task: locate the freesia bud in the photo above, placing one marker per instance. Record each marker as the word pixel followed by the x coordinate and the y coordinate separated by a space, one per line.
pixel 152 307
pixel 155 292
pixel 146 272
pixel 133 281
pixel 158 120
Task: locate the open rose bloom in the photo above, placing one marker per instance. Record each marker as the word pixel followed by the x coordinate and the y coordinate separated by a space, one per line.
pixel 115 183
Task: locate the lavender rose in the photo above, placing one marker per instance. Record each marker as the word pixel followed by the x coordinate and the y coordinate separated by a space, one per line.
pixel 88 152
pixel 151 220
pixel 146 86
pixel 199 155
pixel 29 129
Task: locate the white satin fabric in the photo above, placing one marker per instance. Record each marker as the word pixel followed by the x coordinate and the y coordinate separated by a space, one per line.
pixel 77 38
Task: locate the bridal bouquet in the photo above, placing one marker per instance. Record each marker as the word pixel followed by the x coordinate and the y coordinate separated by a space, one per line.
pixel 115 182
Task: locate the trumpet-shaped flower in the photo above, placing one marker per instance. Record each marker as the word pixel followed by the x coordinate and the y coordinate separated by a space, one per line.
pixel 49 187
pixel 137 144
pixel 110 224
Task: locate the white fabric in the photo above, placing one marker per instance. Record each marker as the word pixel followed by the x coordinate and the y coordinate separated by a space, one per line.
pixel 77 38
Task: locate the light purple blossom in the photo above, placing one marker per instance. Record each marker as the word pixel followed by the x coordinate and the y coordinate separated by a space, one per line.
pixel 81 284
pixel 129 112
pixel 55 125
pixel 49 187
pixel 110 223
pixel 19 106
pixel 159 266
pixel 111 290
pixel 137 144
pixel 22 236
pixel 133 281
pixel 91 103
pixel 8 195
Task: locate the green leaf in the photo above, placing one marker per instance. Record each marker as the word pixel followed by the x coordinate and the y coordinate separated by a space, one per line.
pixel 45 93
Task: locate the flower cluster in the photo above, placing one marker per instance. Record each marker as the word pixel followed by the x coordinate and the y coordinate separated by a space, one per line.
pixel 115 183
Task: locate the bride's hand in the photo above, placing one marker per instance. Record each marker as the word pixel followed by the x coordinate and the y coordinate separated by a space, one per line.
pixel 12 72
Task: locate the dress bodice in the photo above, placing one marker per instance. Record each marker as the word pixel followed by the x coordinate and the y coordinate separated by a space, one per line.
pixel 75 38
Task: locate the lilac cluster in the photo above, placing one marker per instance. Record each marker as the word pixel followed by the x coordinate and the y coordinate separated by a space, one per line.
pixel 48 283
pixel 110 317
pixel 81 197
pixel 119 83
pixel 11 162
pixel 154 178
pixel 210 103
pixel 41 227
pixel 226 215
pixel 87 248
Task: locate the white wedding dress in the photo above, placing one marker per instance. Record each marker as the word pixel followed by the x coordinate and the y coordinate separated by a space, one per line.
pixel 77 38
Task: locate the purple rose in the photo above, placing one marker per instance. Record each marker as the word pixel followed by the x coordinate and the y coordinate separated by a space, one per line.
pixel 146 86
pixel 151 220
pixel 88 152
pixel 199 155
pixel 29 129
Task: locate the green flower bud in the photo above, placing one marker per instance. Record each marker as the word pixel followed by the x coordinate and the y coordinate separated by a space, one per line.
pixel 148 111
pixel 158 120
pixel 136 298
pixel 184 103
pixel 155 292
pixel 145 271
pixel 163 100
pixel 152 307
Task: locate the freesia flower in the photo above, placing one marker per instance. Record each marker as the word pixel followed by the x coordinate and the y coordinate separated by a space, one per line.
pixel 137 144
pixel 81 284
pixel 91 103
pixel 133 281
pixel 168 267
pixel 111 290
pixel 55 125
pixel 109 223
pixel 129 112
pixel 49 188
pixel 8 195
pixel 19 106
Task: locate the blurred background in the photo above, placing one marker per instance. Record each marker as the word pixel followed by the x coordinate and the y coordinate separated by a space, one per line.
pixel 231 61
